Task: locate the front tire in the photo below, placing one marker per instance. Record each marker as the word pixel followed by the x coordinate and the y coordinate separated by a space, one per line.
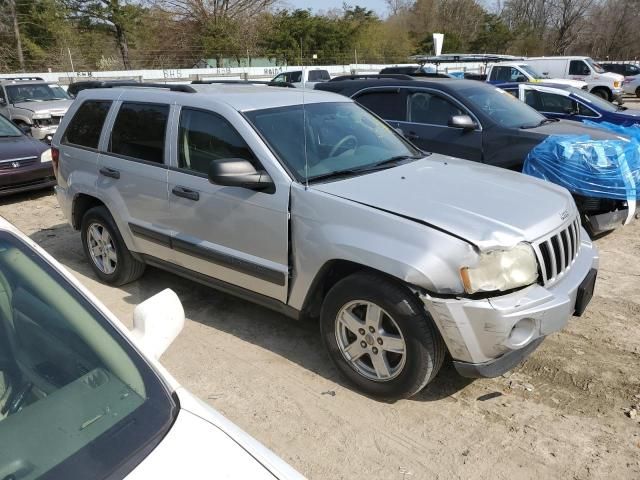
pixel 602 93
pixel 380 337
pixel 105 249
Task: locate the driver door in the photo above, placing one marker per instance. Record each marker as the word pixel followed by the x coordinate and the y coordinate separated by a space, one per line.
pixel 231 234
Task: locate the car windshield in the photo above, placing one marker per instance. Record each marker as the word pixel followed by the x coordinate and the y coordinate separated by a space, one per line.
pixel 601 103
pixel 35 92
pixel 76 401
pixel 503 108
pixel 8 129
pixel 338 137
pixel 532 73
pixel 595 66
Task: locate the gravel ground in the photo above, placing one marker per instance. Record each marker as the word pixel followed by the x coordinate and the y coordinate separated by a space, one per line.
pixel 562 414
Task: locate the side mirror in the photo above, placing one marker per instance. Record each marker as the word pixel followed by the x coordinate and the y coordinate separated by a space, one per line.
pixel 465 122
pixel 237 172
pixel 157 322
pixel 521 79
pixel 3 102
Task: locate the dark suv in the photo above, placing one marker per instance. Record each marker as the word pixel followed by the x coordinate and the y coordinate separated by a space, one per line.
pixel 626 69
pixel 474 121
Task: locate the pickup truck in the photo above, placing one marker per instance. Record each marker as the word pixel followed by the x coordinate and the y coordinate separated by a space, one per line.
pixel 306 77
pixel 507 72
pixel 306 203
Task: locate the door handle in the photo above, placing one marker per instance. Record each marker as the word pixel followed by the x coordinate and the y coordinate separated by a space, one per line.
pixel 110 172
pixel 186 193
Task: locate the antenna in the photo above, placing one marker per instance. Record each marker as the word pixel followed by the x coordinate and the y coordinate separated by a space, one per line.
pixel 304 134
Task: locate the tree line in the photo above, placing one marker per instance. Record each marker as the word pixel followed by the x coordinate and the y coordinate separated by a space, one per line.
pixel 88 35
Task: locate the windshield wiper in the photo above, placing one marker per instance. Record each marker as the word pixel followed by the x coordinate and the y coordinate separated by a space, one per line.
pixel 382 165
pixel 541 122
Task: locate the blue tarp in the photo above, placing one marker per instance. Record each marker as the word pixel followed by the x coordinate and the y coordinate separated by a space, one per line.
pixel 631 131
pixel 592 168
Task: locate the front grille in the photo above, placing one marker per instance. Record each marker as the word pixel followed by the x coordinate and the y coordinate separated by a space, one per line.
pixel 15 163
pixel 557 252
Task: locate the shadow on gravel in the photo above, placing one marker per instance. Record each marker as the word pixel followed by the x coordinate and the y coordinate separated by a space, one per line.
pixel 297 341
pixel 26 196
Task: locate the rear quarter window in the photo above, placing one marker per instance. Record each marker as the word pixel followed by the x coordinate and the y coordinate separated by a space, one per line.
pixel 85 126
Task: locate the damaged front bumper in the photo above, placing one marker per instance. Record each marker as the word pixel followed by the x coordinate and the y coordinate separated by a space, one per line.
pixel 487 337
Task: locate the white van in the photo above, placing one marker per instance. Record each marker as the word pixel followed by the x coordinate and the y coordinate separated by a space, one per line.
pixel 604 84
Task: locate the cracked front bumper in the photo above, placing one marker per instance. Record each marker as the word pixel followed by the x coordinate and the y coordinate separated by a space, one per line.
pixel 487 337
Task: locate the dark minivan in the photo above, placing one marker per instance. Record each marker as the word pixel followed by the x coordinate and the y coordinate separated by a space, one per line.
pixel 25 163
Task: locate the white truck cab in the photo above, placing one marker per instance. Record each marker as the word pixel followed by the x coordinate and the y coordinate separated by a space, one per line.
pixel 604 84
pixel 524 72
pixel 303 77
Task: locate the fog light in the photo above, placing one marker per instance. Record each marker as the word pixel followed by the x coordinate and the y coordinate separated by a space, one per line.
pixel 522 333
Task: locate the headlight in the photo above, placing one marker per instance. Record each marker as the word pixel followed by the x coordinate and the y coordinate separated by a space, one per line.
pixel 45 156
pixel 616 84
pixel 500 270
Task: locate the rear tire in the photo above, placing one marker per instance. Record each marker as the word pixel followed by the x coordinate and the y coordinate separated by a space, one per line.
pixel 638 92
pixel 105 249
pixel 380 337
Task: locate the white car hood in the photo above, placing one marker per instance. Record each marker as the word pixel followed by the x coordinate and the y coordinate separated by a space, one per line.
pixel 565 81
pixel 203 444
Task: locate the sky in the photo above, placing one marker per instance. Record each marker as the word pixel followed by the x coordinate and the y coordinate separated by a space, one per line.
pixel 378 6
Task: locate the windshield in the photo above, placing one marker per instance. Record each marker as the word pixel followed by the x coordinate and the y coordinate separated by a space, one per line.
pixel 76 401
pixel 338 136
pixel 532 73
pixel 599 102
pixel 503 108
pixel 8 129
pixel 595 66
pixel 35 92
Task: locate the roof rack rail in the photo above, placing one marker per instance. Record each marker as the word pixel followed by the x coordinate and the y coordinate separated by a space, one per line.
pixel 380 76
pixel 20 78
pixel 178 87
pixel 268 83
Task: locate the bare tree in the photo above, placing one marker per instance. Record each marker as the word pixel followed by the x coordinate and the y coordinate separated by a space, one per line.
pixel 15 27
pixel 567 18
pixel 396 7
pixel 205 11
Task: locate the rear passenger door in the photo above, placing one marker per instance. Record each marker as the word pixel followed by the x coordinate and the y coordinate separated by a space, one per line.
pixel 390 104
pixel 232 234
pixel 133 175
pixel 429 114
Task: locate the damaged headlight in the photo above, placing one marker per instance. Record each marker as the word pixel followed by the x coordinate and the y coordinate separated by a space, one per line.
pixel 500 270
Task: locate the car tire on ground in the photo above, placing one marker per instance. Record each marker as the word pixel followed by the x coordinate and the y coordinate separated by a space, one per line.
pixel 638 92
pixel 105 249
pixel 379 336
pixel 602 93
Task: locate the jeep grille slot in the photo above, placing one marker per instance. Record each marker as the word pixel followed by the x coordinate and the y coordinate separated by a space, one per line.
pixel 557 252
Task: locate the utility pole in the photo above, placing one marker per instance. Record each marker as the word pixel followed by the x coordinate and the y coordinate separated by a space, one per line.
pixel 300 51
pixel 16 33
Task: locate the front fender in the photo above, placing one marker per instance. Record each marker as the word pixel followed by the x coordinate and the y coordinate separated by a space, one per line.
pixel 325 228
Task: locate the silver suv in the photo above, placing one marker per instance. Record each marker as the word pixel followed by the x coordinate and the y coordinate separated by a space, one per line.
pixel 306 203
pixel 32 102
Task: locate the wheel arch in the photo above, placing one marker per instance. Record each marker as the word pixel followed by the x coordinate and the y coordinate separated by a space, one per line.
pixel 603 88
pixel 331 273
pixel 82 203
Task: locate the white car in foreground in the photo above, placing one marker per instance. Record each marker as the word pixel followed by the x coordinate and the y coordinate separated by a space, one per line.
pixel 82 397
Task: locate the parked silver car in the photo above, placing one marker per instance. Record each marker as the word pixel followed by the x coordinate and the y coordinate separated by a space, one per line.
pixel 34 103
pixel 319 209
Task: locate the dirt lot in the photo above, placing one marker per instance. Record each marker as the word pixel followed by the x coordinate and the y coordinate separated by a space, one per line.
pixel 560 415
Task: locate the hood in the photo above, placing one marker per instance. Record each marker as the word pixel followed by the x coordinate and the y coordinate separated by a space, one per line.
pixel 194 448
pixel 565 81
pixel 20 147
pixel 53 107
pixel 612 76
pixel 629 112
pixel 569 127
pixel 487 206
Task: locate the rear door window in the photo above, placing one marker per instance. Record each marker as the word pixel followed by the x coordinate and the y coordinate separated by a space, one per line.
pixel 388 105
pixel 501 74
pixel 318 75
pixel 553 103
pixel 139 131
pixel 86 125
pixel 432 109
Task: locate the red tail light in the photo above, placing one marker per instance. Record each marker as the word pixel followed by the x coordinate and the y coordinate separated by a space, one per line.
pixel 55 160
